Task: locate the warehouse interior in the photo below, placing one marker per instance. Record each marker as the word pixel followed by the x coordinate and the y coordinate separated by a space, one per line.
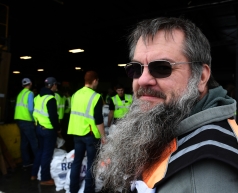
pixel 47 29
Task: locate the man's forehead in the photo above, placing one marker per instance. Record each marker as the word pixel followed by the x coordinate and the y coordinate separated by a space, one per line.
pixel 120 89
pixel 160 46
pixel 168 35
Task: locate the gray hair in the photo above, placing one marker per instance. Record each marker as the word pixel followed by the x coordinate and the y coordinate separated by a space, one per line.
pixel 196 45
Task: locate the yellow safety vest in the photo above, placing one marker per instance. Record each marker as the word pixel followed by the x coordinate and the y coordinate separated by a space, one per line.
pixel 121 108
pixel 68 107
pixel 41 112
pixel 21 109
pixel 35 98
pixel 81 120
pixel 60 105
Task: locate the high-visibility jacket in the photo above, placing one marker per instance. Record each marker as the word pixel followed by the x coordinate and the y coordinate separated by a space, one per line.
pixel 36 98
pixel 81 120
pixel 21 109
pixel 41 112
pixel 60 105
pixel 67 107
pixel 121 108
pixel 215 142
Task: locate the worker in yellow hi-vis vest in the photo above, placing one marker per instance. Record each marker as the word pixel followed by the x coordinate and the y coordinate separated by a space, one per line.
pixel 60 105
pixel 45 114
pixel 118 105
pixel 25 121
pixel 86 125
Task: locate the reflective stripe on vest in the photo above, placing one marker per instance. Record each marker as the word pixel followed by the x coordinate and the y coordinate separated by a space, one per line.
pixel 203 143
pixel 41 111
pixel 21 101
pixel 42 107
pixel 21 109
pixel 57 97
pixel 60 105
pixel 116 102
pixel 227 148
pixel 87 110
pixel 81 120
pixel 121 108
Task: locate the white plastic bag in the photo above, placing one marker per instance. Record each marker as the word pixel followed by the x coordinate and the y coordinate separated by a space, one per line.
pixel 57 152
pixel 39 174
pixel 60 142
pixel 82 176
pixel 105 112
pixel 59 167
pixel 81 190
pixel 83 168
pixel 67 183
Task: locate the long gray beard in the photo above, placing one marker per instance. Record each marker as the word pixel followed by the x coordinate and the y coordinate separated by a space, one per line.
pixel 140 137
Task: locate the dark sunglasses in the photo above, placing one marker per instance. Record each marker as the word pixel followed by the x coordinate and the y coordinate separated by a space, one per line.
pixel 158 68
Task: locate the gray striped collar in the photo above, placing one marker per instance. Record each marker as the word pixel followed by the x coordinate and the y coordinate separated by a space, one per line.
pixel 205 117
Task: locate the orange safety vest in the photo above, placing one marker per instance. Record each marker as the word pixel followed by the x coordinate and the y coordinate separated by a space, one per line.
pixel 161 170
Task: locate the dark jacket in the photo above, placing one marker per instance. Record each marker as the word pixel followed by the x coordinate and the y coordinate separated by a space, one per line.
pixel 52 108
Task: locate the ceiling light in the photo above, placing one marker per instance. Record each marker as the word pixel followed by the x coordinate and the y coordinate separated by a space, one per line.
pixel 76 50
pixel 121 65
pixel 25 57
pixel 77 68
pixel 40 70
pixel 16 72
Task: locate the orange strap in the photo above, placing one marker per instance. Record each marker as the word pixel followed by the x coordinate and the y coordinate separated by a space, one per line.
pixel 158 171
pixel 234 126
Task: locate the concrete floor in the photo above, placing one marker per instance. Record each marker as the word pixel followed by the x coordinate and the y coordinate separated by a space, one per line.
pixel 18 181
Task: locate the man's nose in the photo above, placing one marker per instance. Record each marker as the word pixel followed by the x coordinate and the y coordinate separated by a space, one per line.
pixel 146 78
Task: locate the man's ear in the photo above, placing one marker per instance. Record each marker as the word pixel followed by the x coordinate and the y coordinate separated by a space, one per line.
pixel 202 85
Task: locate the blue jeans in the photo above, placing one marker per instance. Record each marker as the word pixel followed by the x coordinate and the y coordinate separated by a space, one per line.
pixel 82 144
pixel 47 142
pixel 28 137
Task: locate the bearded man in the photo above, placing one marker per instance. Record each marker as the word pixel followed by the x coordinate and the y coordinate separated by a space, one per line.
pixel 179 135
